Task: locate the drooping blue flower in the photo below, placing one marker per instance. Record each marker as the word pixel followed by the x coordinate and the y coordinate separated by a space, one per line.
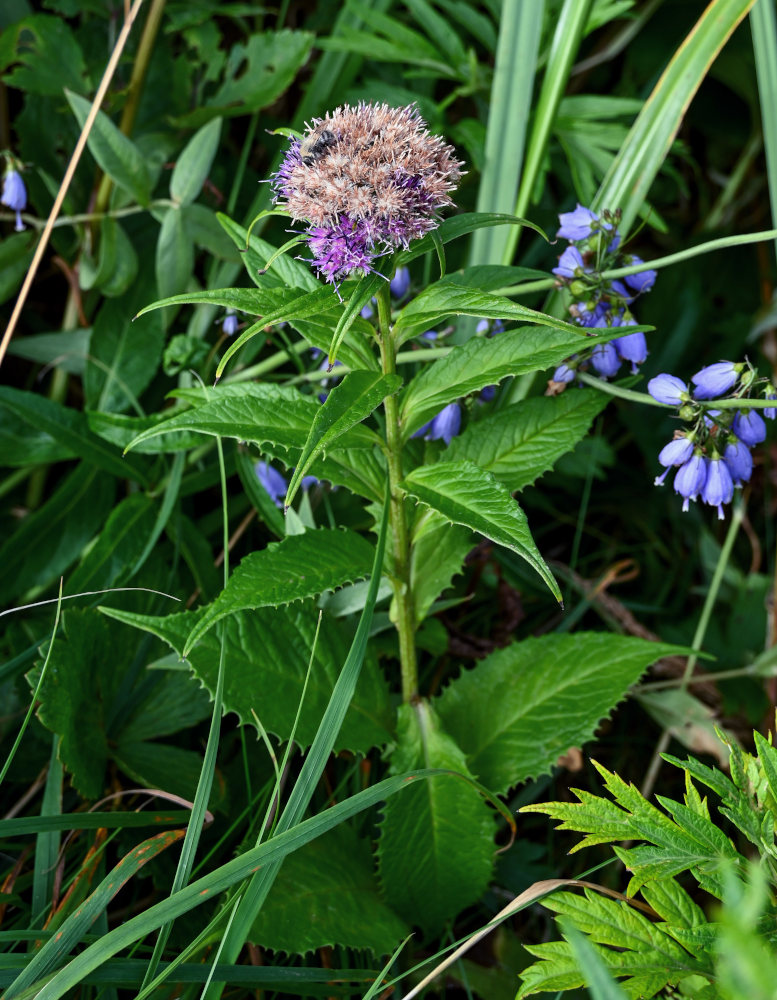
pixel 619 289
pixel 644 280
pixel 482 328
pixel 230 323
pixel 444 426
pixel 272 481
pixel 718 486
pixel 367 312
pixel 690 479
pixel 668 389
pixel 563 374
pixel 739 461
pixel 631 347
pixel 14 195
pixel 749 427
pixel 308 482
pixel 677 452
pixel 570 264
pixel 770 412
pixel 577 225
pixel 400 283
pixel 605 360
pixel 715 380
pixel 590 314
pixel 430 335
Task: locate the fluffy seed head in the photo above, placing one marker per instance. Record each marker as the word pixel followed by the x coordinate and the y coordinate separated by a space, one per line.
pixel 365 180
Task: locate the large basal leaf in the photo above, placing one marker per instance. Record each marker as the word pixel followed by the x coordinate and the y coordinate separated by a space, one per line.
pixel 299 566
pixel 438 553
pixel 466 494
pixel 327 894
pixel 70 428
pixel 521 442
pixel 350 402
pixel 521 708
pixel 451 297
pixel 87 679
pixel 194 162
pixel 436 841
pixel 52 537
pixel 109 561
pixel 261 413
pixel 267 654
pixel 118 155
pixel 482 362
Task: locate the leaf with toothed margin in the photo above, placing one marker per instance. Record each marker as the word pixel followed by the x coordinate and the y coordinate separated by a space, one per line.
pixel 260 413
pixel 298 566
pixel 466 494
pixel 518 710
pixel 267 654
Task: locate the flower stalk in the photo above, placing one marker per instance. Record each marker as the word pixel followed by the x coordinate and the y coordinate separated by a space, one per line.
pixel 400 539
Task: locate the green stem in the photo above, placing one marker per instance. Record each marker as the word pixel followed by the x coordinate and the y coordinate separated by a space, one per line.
pixel 400 540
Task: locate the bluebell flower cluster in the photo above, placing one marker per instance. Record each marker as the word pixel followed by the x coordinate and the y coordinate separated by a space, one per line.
pixel 594 246
pixel 712 456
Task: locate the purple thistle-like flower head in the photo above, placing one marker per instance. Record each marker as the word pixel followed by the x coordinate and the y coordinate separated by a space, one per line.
pixel 570 263
pixel 365 180
pixel 230 323
pixel 739 461
pixel 400 283
pixel 14 195
pixel 577 225
pixel 749 427
pixel 770 412
pixel 605 360
pixel 272 481
pixel 668 389
pixel 644 280
pixel 690 479
pixel 718 486
pixel 715 380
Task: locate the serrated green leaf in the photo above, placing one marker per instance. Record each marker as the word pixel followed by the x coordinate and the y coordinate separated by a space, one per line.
pixel 116 154
pixel 466 494
pixel 267 654
pixel 70 428
pixel 480 362
pixel 460 225
pixel 52 537
pixel 438 551
pixel 673 904
pixel 450 297
pixel 518 710
pixel 122 539
pixel 194 162
pixel 255 412
pixel 119 430
pixel 298 566
pixel 256 252
pixel 521 442
pixel 326 894
pixel 350 402
pixel 435 850
pixel 596 974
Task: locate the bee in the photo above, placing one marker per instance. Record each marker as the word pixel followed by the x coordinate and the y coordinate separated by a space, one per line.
pixel 314 145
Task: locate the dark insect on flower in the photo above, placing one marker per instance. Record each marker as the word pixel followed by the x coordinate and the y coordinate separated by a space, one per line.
pixel 365 181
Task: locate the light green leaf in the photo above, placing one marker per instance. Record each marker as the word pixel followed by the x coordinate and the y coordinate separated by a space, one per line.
pixel 466 494
pixel 521 442
pixel 256 252
pixel 350 402
pixel 644 152
pixel 194 163
pixel 255 412
pixel 460 225
pixel 117 266
pixel 267 654
pixel 436 849
pixel 365 290
pixel 451 297
pixel 117 155
pixel 298 566
pixel 438 552
pixel 326 894
pixel 174 256
pixel 478 363
pixel 521 708
pixel 596 975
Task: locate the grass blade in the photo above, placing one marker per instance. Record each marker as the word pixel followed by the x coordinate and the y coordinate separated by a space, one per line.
pixel 763 24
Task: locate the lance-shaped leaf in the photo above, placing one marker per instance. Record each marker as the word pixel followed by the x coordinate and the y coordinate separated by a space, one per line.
pixel 458 226
pixel 346 406
pixel 480 362
pixel 362 294
pixel 466 494
pixel 451 297
pixel 260 413
pixel 299 566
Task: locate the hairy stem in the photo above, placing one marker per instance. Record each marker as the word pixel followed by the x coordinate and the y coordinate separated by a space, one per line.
pixel 400 539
